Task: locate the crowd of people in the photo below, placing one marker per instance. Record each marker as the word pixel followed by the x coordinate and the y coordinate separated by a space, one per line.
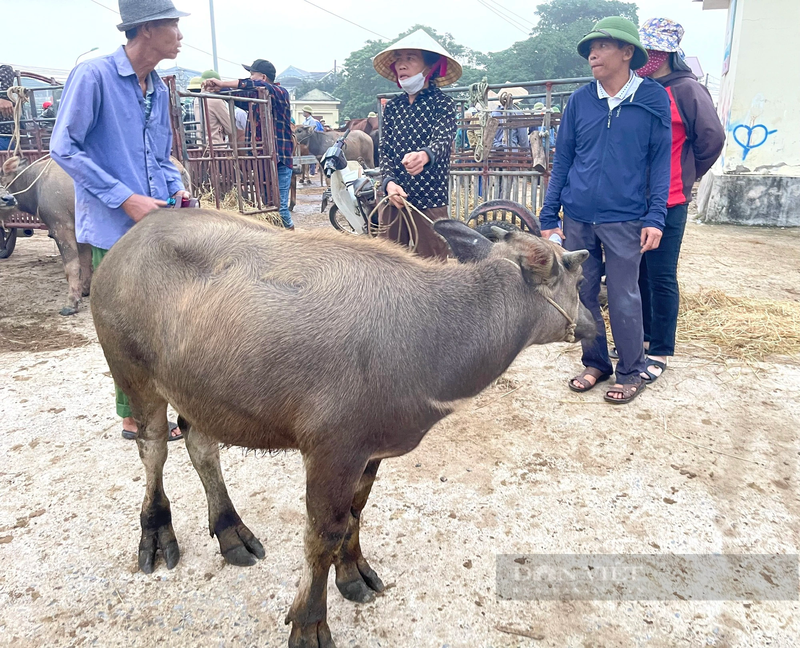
pixel 630 146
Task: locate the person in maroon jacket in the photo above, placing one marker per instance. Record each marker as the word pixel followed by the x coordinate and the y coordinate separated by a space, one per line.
pixel 697 141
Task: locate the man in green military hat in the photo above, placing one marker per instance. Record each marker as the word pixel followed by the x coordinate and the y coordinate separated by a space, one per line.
pixel 611 176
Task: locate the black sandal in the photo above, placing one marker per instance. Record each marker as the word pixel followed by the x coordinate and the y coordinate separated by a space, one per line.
pixel 651 377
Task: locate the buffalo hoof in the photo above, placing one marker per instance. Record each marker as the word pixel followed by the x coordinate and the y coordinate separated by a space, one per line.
pixel 240 547
pixel 358 582
pixel 164 539
pixel 313 635
pixel 68 310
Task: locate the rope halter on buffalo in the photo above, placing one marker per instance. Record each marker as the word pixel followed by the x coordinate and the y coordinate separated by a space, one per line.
pixel 572 323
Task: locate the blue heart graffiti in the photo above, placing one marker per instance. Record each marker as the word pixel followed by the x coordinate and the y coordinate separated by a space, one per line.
pixel 749 145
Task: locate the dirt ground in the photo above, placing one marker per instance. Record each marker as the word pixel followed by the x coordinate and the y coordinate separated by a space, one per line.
pixel 704 462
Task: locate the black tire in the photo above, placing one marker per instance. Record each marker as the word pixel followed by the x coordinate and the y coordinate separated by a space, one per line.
pixel 339 221
pixel 521 216
pixel 8 240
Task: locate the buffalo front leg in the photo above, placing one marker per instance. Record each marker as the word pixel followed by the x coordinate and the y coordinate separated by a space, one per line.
pixel 156 517
pixel 356 580
pixel 237 543
pixel 68 247
pixel 330 487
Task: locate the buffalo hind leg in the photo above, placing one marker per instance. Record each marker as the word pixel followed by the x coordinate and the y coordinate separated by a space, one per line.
pixel 331 484
pixel 237 543
pixel 156 517
pixel 85 255
pixel 356 580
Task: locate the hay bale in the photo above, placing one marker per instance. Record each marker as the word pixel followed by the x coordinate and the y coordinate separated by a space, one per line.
pixel 230 202
pixel 740 327
pixel 716 325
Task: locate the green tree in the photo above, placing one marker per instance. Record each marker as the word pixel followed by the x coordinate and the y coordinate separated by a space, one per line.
pixel 550 52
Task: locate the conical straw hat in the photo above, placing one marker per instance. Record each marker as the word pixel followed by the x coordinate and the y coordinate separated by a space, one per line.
pixel 419 40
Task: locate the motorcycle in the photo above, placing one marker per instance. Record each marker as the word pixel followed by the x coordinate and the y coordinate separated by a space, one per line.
pixel 354 195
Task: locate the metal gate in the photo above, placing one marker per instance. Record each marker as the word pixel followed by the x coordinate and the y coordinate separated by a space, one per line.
pixel 246 172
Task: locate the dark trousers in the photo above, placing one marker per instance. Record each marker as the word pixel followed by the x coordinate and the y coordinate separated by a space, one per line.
pixel 621 243
pixel 658 282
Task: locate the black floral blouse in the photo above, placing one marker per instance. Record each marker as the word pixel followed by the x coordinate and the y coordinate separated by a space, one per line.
pixel 428 124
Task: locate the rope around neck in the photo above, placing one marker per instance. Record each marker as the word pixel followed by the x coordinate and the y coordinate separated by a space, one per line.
pixel 572 322
pixel 30 186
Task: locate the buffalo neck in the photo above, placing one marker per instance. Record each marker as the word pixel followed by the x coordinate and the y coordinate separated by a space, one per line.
pixel 483 319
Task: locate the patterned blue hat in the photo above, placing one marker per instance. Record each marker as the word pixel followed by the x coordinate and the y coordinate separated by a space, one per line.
pixel 661 35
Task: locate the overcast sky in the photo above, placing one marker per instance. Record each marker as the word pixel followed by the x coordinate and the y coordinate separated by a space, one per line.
pixel 293 32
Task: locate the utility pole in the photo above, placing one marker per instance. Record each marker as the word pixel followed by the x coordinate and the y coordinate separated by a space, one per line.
pixel 213 36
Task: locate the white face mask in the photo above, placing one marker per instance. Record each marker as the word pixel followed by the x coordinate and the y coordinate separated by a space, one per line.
pixel 412 85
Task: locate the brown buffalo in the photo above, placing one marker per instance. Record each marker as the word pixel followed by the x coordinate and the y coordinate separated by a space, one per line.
pixel 346 348
pixel 359 144
pixel 367 124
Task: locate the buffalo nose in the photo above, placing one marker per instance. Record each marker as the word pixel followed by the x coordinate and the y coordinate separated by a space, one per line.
pixel 9 201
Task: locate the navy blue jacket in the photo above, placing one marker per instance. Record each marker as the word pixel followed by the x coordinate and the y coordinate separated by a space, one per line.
pixel 612 166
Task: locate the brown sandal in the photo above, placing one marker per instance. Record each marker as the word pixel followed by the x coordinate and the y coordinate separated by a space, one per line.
pixel 581 378
pixel 629 392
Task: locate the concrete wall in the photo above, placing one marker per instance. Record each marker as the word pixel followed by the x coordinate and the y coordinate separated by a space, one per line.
pixel 760 108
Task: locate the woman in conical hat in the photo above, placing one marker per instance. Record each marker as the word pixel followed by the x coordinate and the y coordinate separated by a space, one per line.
pixel 417 136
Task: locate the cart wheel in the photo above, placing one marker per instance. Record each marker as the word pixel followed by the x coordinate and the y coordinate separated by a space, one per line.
pixel 8 239
pixel 495 211
pixel 340 222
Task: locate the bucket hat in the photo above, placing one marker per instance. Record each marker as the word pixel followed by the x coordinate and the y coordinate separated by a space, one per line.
pixel 661 35
pixel 138 12
pixel 418 40
pixel 617 28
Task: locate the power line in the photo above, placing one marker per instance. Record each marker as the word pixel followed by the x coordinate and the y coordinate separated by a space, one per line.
pixel 345 19
pixel 100 4
pixel 510 22
pixel 504 16
pixel 507 10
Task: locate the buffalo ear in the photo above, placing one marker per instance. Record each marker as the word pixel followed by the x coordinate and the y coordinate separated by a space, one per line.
pixel 467 245
pixel 538 260
pixel 11 166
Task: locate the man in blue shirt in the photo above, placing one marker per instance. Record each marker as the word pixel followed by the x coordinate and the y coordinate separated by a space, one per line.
pixel 611 176
pixel 311 122
pixel 113 136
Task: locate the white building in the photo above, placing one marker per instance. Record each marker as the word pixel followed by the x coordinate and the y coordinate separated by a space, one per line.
pixel 757 178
